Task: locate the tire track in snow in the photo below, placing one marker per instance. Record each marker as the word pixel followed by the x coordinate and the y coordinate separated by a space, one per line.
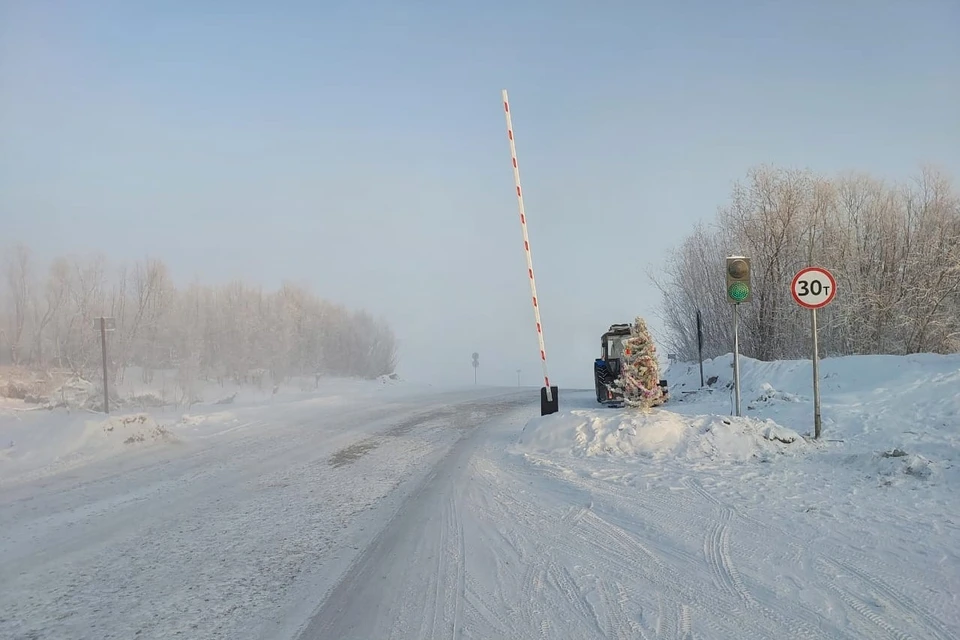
pixel 658 572
pixel 487 612
pixel 862 608
pixel 568 589
pixel 461 587
pixel 785 538
pixel 908 611
pixel 729 624
pixel 619 624
pixel 663 622
pixel 618 553
pixel 900 574
pixel 716 547
pixel 685 632
pixel 449 579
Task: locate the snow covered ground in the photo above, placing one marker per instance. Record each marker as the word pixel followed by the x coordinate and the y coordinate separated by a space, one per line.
pixel 375 511
pixel 36 442
pixel 739 527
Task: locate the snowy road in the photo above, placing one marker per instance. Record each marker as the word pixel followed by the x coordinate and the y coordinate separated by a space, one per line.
pixel 493 545
pixel 220 536
pixel 418 518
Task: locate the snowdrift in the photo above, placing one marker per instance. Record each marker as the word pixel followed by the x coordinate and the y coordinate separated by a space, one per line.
pixel 658 434
pixel 36 448
pixel 128 430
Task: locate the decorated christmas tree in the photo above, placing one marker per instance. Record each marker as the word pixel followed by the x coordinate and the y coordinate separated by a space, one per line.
pixel 639 380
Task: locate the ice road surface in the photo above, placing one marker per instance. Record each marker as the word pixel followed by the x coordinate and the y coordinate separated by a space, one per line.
pixel 417 514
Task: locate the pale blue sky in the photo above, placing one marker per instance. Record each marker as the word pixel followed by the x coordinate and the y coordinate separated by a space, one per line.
pixel 361 150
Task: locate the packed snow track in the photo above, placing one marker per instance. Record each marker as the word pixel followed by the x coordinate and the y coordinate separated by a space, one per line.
pixel 221 535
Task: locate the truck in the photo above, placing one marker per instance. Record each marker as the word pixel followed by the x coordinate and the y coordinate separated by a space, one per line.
pixel 606 368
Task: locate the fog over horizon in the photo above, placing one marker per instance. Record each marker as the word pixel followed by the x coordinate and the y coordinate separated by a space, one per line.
pixel 361 153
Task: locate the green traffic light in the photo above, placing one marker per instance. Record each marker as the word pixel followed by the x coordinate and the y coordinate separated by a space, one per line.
pixel 738 291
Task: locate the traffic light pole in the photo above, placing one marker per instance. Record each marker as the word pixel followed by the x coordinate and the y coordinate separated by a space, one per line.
pixel 738 291
pixel 736 357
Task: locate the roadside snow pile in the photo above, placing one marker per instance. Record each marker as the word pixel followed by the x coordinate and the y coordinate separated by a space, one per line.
pixel 389 379
pixel 768 395
pixel 896 467
pixel 48 442
pixel 75 393
pixel 216 418
pixel 657 434
pixel 132 429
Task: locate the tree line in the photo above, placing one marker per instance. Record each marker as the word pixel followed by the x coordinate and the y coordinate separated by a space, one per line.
pixel 894 249
pixel 234 331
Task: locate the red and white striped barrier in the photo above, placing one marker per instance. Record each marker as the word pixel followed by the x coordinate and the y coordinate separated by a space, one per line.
pixel 526 244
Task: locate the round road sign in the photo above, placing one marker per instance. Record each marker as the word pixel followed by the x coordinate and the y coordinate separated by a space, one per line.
pixel 813 288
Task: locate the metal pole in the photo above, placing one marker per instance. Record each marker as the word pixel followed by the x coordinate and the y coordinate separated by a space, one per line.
pixel 700 345
pixel 816 376
pixel 518 377
pixel 103 349
pixel 736 356
pixel 526 242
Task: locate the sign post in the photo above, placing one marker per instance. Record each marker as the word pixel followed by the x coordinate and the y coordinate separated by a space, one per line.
pixel 700 345
pixel 105 325
pixel 814 288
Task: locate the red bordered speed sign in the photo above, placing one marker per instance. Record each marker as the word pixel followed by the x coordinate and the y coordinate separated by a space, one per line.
pixel 813 288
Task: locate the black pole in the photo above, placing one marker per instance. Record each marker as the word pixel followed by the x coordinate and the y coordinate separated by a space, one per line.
pixel 700 345
pixel 103 349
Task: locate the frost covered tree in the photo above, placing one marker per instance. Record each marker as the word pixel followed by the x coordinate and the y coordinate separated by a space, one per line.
pixel 894 249
pixel 639 380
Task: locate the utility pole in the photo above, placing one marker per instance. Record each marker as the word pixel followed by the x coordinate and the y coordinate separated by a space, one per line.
pixel 105 325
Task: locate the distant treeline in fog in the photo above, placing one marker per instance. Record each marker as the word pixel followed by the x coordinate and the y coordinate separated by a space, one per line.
pixel 48 312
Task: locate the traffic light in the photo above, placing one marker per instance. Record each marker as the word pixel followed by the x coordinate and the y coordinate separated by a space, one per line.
pixel 738 280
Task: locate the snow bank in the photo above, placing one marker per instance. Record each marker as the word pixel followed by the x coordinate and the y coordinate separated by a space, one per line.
pixel 128 430
pixel 50 441
pixel 657 434
pixel 895 419
pixel 918 379
pixel 871 404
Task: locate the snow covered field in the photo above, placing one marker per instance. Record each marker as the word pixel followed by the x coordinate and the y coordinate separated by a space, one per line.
pixel 374 511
